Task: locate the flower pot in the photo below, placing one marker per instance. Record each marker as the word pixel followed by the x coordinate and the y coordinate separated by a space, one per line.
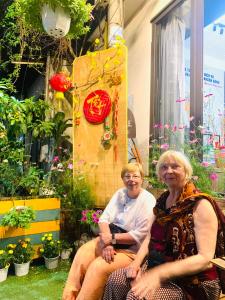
pixel 22 269
pixel 55 22
pixel 3 273
pixel 95 230
pixel 51 263
pixel 65 253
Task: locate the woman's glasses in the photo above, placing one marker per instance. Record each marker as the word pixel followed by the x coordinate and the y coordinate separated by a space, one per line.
pixel 132 177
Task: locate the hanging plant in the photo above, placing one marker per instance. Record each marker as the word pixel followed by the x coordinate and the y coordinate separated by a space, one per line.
pixel 78 10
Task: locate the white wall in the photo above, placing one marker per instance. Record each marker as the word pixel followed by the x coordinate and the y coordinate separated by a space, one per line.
pixel 138 35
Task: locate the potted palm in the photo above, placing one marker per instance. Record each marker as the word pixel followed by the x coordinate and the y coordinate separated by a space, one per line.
pixel 72 13
pixel 50 250
pixel 22 254
pixel 6 256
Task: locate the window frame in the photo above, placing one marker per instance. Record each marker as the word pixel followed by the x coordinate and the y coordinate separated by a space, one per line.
pixel 196 62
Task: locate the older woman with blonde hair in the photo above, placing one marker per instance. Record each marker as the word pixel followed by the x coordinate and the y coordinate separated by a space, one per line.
pixel 123 226
pixel 186 234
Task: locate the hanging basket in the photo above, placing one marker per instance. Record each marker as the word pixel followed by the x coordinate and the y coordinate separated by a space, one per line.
pixel 55 22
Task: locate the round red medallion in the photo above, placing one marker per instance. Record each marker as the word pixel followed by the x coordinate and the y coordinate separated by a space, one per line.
pixel 97 106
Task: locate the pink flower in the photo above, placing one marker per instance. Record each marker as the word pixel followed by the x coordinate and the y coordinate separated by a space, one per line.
pixel 56 159
pixel 167 126
pixel 83 219
pixel 213 176
pixel 205 164
pixel 70 166
pixel 165 146
pixel 174 129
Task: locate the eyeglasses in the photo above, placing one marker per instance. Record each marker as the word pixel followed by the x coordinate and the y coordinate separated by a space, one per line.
pixel 134 177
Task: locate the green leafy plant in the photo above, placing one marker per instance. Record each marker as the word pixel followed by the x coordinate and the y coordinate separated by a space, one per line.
pixel 19 217
pixel 50 247
pixel 79 11
pixel 22 251
pixel 6 257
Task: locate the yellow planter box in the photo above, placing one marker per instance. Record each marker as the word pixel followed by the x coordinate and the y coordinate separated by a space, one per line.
pixel 47 220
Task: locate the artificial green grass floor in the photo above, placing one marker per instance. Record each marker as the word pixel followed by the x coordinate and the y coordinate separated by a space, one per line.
pixel 39 284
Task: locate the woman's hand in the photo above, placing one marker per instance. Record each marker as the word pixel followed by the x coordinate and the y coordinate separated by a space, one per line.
pixel 108 254
pixel 68 294
pixel 132 270
pixel 146 284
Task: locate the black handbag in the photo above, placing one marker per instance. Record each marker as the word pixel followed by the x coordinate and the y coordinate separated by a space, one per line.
pixel 116 229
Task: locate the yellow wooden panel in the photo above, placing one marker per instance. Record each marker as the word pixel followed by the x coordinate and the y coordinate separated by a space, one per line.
pixel 36 204
pixel 39 227
pixel 105 70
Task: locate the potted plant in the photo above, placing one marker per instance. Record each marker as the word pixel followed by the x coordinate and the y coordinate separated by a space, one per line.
pixel 18 217
pixel 6 256
pixel 50 250
pixel 91 217
pixel 22 255
pixel 78 10
pixel 66 249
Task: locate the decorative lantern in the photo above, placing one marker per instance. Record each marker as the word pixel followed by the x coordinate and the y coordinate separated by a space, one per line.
pixel 97 106
pixel 60 83
pixel 55 22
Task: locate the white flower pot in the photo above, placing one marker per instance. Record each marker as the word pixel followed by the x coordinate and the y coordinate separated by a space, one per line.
pixel 65 253
pixel 55 22
pixel 3 274
pixel 22 269
pixel 51 263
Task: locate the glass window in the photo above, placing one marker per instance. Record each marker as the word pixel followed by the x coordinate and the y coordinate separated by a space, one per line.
pixel 213 78
pixel 172 93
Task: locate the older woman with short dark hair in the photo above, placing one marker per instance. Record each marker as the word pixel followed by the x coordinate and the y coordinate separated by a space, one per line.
pixel 181 243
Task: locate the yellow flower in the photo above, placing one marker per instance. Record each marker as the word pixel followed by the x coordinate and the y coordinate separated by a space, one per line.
pixel 43 238
pixel 50 234
pixel 24 245
pixel 27 240
pixel 49 238
pixel 1 252
pixel 97 41
pixel 10 251
pixel 46 235
pixel 42 250
pixel 51 243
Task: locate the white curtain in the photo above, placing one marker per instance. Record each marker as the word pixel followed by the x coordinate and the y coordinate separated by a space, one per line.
pixel 172 70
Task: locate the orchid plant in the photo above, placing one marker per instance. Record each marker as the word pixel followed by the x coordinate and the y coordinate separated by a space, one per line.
pixel 170 136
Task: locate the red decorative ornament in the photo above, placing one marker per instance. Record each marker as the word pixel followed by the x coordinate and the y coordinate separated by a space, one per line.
pixel 97 106
pixel 60 82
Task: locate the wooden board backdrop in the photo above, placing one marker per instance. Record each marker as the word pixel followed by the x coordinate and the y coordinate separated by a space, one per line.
pixel 105 70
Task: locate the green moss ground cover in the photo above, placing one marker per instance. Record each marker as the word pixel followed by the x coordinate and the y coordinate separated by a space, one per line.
pixel 39 284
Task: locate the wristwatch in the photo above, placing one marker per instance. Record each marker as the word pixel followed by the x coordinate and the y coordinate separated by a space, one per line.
pixel 113 242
